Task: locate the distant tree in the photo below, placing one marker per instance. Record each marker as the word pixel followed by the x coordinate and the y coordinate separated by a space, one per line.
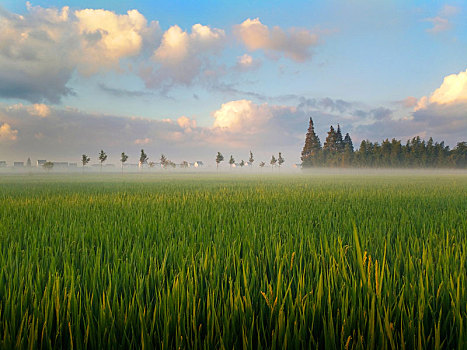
pixel 262 164
pixel 28 163
pixel 242 163
pixel 231 161
pixel 251 159
pixel 48 166
pixel 164 161
pixel 102 157
pixel 219 158
pixel 312 148
pixel 348 142
pixel 280 160
pixel 339 140
pixel 123 159
pixel 184 164
pixel 459 155
pixel 85 160
pixel 143 158
pixel 347 156
pixel 152 164
pixel 330 144
pixel 273 161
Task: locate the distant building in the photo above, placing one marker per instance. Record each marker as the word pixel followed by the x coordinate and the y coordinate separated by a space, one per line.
pixel 2 164
pixel 18 164
pixel 41 162
pixel 109 165
pixel 72 165
pixel 60 164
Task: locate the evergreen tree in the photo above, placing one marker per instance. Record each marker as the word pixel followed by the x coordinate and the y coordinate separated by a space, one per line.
pixel 242 163
pixel 262 164
pixel 330 145
pixel 231 161
pixel 339 140
pixel 28 163
pixel 348 142
pixel 459 155
pixel 312 147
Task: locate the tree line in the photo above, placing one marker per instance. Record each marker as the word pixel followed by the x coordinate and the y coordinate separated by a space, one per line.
pixel 338 151
pixel 273 162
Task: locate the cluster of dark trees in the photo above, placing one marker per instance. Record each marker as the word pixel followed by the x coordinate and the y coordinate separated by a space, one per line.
pixel 338 151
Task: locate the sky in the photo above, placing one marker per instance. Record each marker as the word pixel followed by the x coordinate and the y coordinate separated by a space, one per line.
pixel 191 78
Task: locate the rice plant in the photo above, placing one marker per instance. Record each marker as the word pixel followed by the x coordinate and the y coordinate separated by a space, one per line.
pixel 200 261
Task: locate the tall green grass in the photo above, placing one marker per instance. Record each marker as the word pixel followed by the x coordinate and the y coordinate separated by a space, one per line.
pixel 227 262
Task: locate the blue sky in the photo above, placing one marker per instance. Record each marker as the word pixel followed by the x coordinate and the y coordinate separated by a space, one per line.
pixel 244 74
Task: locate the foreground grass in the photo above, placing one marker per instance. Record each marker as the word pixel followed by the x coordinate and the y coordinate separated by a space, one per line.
pixel 229 262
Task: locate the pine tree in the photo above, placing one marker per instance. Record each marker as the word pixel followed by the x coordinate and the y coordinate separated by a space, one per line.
pixel 330 145
pixel 348 142
pixel 312 147
pixel 339 140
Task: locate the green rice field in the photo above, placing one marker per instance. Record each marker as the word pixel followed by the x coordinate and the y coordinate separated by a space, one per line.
pixel 192 261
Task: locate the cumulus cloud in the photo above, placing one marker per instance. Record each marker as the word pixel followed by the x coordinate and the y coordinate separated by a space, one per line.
pixel 107 37
pixel 7 133
pixel 295 43
pixel 440 115
pixel 452 90
pixel 182 57
pixel 442 21
pixel 40 51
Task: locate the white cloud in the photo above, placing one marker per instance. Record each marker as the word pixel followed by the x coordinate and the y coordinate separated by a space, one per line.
pixel 7 133
pixel 452 90
pixel 107 37
pixel 183 57
pixel 294 43
pixel 242 116
pixel 40 51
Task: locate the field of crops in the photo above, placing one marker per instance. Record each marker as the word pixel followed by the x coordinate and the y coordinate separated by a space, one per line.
pixel 217 261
